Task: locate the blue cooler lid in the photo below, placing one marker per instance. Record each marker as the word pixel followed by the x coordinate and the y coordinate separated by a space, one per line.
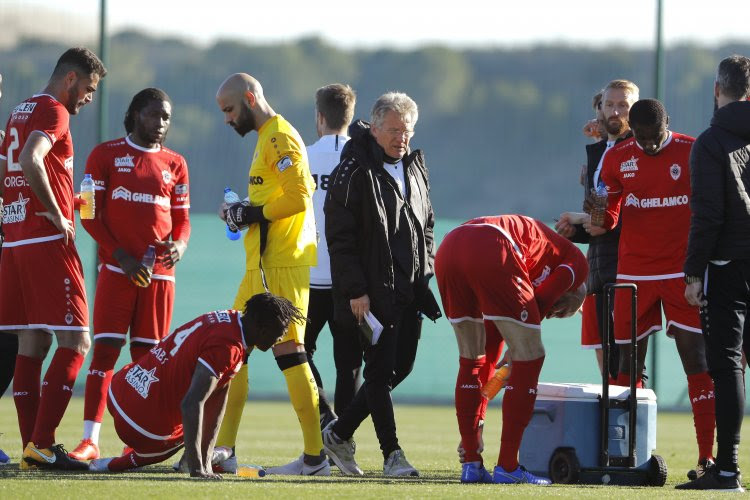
pixel 565 391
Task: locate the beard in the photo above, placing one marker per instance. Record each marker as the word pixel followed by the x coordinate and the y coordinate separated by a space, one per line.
pixel 245 122
pixel 615 126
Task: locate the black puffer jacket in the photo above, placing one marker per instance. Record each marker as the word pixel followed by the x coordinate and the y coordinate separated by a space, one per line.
pixel 361 199
pixel 602 251
pixel 720 190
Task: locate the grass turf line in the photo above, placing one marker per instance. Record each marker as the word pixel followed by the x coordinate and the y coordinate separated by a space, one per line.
pixel 270 436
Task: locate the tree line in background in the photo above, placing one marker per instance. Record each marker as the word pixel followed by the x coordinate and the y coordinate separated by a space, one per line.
pixel 501 128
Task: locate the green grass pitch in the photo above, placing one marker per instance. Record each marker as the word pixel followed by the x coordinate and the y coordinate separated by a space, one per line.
pixel 270 435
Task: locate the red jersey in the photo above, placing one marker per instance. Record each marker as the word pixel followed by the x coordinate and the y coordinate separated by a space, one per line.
pixel 541 248
pixel 44 114
pixel 139 193
pixel 652 194
pixel 148 392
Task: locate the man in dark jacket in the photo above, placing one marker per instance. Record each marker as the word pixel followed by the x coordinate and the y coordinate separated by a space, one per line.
pixel 379 227
pixel 617 98
pixel 717 266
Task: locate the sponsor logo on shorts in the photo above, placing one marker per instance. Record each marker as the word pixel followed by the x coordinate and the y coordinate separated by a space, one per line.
pixel 630 165
pixel 166 175
pixel 181 189
pixel 125 161
pixel 141 379
pixel 284 163
pixel 545 273
pixel 16 211
pixel 667 201
pixel 121 193
pixel 675 171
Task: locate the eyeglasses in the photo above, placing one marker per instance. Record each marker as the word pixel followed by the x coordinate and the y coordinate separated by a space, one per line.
pixel 400 132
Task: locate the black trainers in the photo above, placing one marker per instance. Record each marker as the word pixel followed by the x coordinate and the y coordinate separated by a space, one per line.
pixel 54 457
pixel 712 480
pixel 703 465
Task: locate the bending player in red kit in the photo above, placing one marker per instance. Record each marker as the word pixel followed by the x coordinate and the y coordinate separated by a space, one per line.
pixel 142 199
pixel 511 270
pixel 177 392
pixel 648 180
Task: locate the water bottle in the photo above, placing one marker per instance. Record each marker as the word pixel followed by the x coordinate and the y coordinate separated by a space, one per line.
pixel 231 197
pixel 493 385
pixel 251 471
pixel 148 261
pixel 87 194
pixel 600 205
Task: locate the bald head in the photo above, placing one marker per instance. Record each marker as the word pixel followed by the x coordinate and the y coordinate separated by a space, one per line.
pixel 238 84
pixel 240 98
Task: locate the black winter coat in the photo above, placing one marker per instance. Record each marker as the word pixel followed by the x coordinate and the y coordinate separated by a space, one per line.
pixel 720 190
pixel 356 228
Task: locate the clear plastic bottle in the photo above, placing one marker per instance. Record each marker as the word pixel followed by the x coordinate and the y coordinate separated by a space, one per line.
pixel 497 382
pixel 231 197
pixel 87 194
pixel 252 471
pixel 600 205
pixel 148 261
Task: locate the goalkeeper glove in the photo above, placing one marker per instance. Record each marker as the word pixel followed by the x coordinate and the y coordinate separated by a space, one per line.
pixel 239 215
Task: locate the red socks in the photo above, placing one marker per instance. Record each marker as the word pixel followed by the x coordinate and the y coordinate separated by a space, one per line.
pixel 137 350
pixel 56 392
pixel 98 380
pixel 26 378
pixel 132 460
pixel 518 406
pixel 468 405
pixel 701 392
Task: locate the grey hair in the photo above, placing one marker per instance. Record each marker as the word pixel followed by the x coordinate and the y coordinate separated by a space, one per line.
pixel 397 102
pixel 733 77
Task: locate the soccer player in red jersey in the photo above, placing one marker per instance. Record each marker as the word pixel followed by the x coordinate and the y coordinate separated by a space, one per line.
pixel 176 393
pixel 513 271
pixel 142 199
pixel 648 184
pixel 41 281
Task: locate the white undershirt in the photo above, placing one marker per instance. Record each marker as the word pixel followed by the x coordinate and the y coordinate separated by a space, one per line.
pixel 397 172
pixel 598 170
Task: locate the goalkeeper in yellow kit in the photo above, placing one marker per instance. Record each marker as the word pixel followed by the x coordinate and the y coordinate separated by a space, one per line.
pixel 280 248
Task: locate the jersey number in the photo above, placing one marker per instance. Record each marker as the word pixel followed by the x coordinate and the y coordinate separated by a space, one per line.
pixel 181 335
pixel 323 181
pixel 13 166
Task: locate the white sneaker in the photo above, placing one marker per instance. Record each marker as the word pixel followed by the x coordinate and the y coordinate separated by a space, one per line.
pixel 397 465
pixel 100 464
pixel 300 468
pixel 341 451
pixel 223 458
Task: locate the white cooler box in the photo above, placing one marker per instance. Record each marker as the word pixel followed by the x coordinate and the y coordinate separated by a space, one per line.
pixel 567 417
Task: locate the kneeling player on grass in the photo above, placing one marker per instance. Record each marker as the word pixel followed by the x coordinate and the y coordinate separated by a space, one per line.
pixel 177 392
pixel 513 271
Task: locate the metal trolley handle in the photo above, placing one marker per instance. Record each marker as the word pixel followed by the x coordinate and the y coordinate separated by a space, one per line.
pixel 631 404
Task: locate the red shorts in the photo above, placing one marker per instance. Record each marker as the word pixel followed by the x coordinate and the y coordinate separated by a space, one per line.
pixel 143 442
pixel 652 296
pixel 590 337
pixel 481 277
pixel 42 287
pixel 120 306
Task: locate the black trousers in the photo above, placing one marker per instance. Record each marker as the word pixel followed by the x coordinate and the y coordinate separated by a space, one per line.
pixel 387 364
pixel 8 351
pixel 601 320
pixel 347 349
pixel 727 290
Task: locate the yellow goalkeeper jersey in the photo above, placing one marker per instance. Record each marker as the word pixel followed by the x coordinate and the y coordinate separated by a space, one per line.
pixel 280 180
